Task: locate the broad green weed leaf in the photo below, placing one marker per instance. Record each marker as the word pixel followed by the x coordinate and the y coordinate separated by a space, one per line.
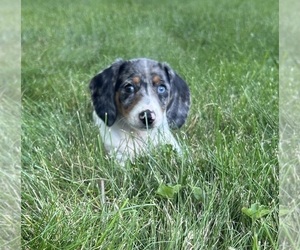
pixel 168 191
pixel 284 211
pixel 256 211
pixel 198 193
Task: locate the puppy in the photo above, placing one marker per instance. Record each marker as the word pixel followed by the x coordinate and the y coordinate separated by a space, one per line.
pixel 136 103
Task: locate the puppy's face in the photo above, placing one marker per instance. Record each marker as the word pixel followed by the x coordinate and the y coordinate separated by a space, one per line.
pixel 142 94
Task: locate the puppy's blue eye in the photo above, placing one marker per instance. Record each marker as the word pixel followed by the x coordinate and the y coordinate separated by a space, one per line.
pixel 129 89
pixel 161 89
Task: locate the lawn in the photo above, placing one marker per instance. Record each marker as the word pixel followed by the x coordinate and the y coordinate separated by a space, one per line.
pixel 223 192
pixel 10 127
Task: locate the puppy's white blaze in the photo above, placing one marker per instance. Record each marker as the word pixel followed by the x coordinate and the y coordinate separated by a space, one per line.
pixel 124 143
pixel 145 103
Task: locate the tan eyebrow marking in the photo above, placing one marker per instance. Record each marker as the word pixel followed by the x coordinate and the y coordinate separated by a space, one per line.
pixel 136 80
pixel 125 111
pixel 156 80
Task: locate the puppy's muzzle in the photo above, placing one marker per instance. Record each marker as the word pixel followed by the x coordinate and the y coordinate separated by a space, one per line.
pixel 147 117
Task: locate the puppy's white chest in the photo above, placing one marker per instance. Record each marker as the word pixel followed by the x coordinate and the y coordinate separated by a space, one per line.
pixel 124 143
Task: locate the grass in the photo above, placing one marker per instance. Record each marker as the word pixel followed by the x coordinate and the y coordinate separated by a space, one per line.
pixel 223 194
pixel 289 156
pixel 10 128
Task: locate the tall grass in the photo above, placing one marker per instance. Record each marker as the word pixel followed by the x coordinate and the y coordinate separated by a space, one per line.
pixel 10 128
pixel 73 197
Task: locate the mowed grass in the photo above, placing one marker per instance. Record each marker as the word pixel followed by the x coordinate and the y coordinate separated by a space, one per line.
pixel 75 198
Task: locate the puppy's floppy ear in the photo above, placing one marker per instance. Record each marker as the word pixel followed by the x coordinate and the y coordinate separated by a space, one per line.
pixel 179 104
pixel 102 87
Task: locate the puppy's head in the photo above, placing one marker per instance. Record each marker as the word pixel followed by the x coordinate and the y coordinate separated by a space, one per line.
pixel 141 93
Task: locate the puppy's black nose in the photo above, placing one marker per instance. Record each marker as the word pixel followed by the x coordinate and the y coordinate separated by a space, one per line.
pixel 147 117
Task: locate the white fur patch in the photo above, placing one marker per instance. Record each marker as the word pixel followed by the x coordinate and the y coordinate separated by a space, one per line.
pixel 124 142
